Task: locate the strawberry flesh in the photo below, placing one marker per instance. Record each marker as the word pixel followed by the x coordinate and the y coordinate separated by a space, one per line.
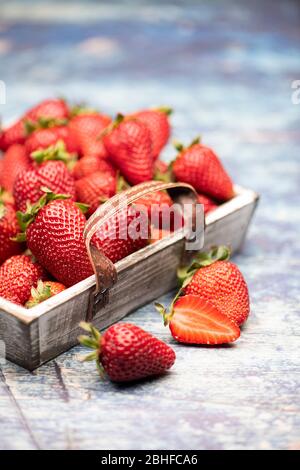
pixel 197 321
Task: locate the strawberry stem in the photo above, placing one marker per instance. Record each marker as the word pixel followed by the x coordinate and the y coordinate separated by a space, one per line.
pixel 93 342
pixel 53 152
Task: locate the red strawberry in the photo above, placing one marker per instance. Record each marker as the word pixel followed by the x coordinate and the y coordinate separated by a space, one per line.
pixel 44 138
pixel 90 164
pixel 128 143
pixel 157 206
pixel 158 124
pixel 16 133
pixel 127 353
pixel 15 160
pixel 199 166
pixel 124 234
pixel 18 275
pixel 214 278
pixel 51 174
pixel 9 228
pixel 95 189
pixel 86 129
pixel 43 291
pixel 209 204
pixel 54 234
pixel 195 320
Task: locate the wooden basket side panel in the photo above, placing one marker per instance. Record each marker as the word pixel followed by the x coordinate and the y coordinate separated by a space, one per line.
pixel 144 280
pixel 20 341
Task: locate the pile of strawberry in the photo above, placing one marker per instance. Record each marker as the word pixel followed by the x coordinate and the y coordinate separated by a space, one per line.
pixel 58 164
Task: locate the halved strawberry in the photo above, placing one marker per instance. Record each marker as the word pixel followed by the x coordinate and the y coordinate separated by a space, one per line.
pixel 196 321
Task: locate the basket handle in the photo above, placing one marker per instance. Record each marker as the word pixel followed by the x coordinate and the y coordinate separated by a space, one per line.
pixel 104 269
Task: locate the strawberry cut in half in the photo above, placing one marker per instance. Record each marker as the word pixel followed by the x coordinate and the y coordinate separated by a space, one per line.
pixel 194 320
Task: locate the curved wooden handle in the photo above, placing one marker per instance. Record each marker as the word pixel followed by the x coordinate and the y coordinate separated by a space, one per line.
pixel 105 271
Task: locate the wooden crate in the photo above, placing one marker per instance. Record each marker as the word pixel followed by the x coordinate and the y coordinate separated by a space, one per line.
pixel 32 337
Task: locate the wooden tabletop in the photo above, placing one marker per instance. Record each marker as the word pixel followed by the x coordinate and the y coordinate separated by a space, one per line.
pixel 227 69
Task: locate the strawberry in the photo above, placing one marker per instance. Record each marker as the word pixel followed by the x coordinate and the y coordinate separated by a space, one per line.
pixel 90 164
pixel 209 204
pixel 86 129
pixel 123 234
pixel 157 206
pixel 47 109
pixel 128 143
pixel 127 353
pixel 52 174
pixel 43 291
pixel 44 138
pixel 157 122
pixel 15 160
pixel 18 275
pixel 53 228
pixel 95 189
pixel 197 321
pixel 9 228
pixel 199 166
pixel 212 277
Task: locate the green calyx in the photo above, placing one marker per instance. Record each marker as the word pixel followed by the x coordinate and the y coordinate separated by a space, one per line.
pixel 81 108
pixel 122 184
pixel 186 273
pixel 93 341
pixel 164 109
pixel 43 123
pixel 166 177
pixel 180 147
pixel 82 206
pixel 201 260
pixel 113 125
pixel 25 218
pixel 39 294
pixel 54 152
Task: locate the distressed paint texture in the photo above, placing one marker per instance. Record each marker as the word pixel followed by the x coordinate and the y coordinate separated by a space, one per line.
pixel 227 69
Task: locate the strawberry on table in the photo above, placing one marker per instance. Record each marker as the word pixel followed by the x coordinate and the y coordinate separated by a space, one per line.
pixel 158 124
pixel 125 233
pixel 48 171
pixel 199 166
pixel 214 278
pixel 96 188
pixel 86 129
pixel 127 353
pixel 9 228
pixel 43 291
pixel 14 161
pixel 195 320
pixel 18 275
pixel 53 229
pixel 128 142
pixel 48 109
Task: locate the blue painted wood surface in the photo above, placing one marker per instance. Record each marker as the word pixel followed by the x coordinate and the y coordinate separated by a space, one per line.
pixel 227 69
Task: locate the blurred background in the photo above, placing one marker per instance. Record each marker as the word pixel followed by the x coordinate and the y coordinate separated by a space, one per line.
pixel 226 67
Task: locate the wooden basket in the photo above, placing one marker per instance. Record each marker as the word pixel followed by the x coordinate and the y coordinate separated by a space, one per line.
pixel 32 337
